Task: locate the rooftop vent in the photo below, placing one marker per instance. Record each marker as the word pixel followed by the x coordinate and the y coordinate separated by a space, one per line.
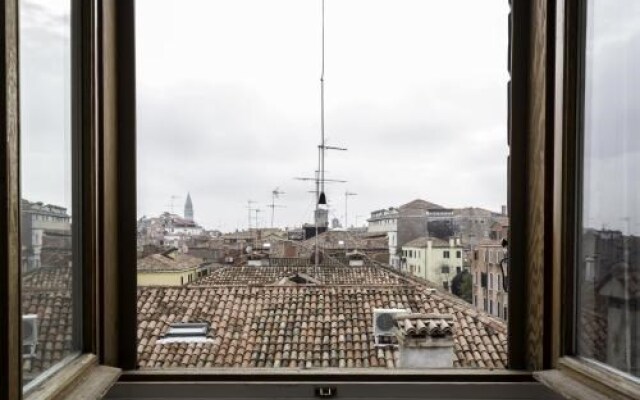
pixel 425 340
pixel 186 332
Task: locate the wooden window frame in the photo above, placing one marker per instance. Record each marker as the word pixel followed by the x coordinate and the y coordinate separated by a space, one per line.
pixel 122 70
pixel 572 375
pixel 63 377
pixel 539 165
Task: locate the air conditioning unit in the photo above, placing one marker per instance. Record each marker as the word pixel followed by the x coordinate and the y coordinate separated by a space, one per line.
pixel 29 335
pixel 384 323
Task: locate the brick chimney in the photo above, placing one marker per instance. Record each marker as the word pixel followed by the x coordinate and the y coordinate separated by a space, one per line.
pixel 425 340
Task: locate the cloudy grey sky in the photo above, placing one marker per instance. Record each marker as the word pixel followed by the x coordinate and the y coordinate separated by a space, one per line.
pixel 416 89
pixel 45 101
pixel 228 104
pixel 612 116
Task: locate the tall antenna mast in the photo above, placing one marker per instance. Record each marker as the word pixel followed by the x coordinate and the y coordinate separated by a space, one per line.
pixel 322 197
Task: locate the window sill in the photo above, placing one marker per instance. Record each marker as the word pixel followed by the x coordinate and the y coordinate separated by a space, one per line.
pixel 324 374
pixel 578 379
pixel 342 390
pixel 82 378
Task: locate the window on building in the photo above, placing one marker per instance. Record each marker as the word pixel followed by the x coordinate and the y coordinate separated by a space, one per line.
pixel 610 225
pixel 445 285
pixel 445 254
pixel 490 280
pixel 490 306
pixel 499 309
pixel 49 258
pixel 445 269
pixel 458 254
pixel 458 270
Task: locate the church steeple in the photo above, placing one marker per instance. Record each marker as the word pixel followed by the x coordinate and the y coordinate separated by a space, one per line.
pixel 188 208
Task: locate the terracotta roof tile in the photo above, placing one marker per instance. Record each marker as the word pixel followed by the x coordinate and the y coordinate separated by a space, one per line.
pixel 256 324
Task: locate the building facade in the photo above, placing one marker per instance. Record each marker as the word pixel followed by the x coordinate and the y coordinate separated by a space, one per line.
pixel 38 222
pixel 490 278
pixel 433 259
pixel 402 224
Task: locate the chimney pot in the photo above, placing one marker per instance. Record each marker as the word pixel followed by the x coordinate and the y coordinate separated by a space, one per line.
pixel 425 340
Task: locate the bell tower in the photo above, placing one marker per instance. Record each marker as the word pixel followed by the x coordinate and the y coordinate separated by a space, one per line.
pixel 188 208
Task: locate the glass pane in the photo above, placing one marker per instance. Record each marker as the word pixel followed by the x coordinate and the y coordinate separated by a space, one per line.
pixel 229 130
pixel 47 254
pixel 609 273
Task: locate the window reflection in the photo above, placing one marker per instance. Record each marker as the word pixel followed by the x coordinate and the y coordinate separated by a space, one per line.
pixel 46 234
pixel 609 285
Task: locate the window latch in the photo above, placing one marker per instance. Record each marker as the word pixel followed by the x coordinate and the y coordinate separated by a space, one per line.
pixel 326 392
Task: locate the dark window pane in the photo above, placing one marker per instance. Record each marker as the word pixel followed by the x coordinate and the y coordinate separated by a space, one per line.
pixel 609 268
pixel 48 336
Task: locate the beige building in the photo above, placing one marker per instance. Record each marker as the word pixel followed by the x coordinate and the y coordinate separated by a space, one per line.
pixel 488 280
pixel 433 259
pixel 170 268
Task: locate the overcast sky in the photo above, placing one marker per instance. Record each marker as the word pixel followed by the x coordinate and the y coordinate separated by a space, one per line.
pixel 228 105
pixel 45 101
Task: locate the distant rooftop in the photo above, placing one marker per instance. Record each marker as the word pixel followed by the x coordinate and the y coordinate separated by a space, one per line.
pixel 423 241
pixel 169 261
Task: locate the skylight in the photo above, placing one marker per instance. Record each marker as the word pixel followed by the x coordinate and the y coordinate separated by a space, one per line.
pixel 189 332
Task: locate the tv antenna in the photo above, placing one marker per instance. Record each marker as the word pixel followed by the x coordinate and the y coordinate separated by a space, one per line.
pixel 172 200
pixel 275 194
pixel 249 209
pixel 347 194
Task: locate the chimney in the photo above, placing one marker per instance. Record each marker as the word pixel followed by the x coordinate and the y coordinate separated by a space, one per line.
pixel 425 340
pixel 451 242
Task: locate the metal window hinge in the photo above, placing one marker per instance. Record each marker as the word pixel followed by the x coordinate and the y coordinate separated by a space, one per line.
pixel 326 392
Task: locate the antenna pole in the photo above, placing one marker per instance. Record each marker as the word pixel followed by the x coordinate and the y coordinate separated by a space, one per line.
pixel 275 193
pixel 315 217
pixel 346 196
pixel 249 209
pixel 322 108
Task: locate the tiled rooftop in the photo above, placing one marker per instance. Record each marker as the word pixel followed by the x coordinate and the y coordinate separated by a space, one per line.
pixel 54 328
pixel 169 261
pixel 423 241
pixel 328 275
pixel 254 323
pixel 46 293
